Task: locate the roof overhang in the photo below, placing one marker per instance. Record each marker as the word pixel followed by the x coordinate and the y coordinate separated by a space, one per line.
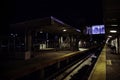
pixel 48 24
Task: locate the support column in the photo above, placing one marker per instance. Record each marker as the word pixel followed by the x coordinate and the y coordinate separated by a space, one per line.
pixel 75 44
pixel 46 42
pixel 60 42
pixel 72 43
pixel 28 44
pixel 118 44
pixel 77 41
pixel 29 41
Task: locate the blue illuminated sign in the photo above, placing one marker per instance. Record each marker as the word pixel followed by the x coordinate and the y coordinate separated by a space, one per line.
pixel 98 29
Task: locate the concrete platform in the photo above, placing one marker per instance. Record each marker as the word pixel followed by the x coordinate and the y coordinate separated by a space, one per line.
pixel 113 65
pixel 15 69
pixel 99 70
pixel 107 66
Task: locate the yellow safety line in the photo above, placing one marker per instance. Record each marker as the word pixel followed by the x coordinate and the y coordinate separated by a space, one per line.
pixel 99 70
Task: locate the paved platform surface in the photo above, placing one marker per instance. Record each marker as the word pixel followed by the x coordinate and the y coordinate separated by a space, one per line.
pixel 12 68
pixel 107 66
pixel 113 65
pixel 99 70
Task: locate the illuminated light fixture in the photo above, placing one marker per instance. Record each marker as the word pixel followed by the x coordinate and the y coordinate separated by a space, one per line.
pixel 64 30
pixel 109 36
pixel 16 34
pixel 41 31
pixel 113 31
pixel 78 30
pixel 114 25
pixel 11 34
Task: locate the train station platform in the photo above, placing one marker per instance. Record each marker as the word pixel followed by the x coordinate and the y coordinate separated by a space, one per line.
pixel 113 65
pixel 107 66
pixel 16 69
pixel 99 70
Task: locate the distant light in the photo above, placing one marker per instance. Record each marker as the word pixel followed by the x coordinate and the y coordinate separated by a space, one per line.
pixel 109 36
pixel 64 30
pixel 78 30
pixel 11 34
pixel 47 40
pixel 41 31
pixel 16 34
pixel 113 31
pixel 114 25
pixel 22 44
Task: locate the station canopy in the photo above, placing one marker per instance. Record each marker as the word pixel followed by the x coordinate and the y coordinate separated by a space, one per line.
pixel 47 24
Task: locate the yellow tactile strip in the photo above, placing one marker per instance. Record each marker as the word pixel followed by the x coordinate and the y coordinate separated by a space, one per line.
pixel 99 70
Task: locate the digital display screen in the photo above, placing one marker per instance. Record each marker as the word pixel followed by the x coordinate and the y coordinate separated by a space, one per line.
pixel 88 30
pixel 98 29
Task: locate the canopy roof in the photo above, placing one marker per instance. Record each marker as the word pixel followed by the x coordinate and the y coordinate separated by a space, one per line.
pixel 48 24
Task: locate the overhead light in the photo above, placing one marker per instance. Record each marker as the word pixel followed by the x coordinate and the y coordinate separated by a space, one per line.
pixel 109 36
pixel 16 34
pixel 114 25
pixel 41 31
pixel 78 30
pixel 11 34
pixel 113 31
pixel 64 30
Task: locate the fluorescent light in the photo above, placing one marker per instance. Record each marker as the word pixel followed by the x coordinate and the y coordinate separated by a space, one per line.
pixel 78 30
pixel 16 34
pixel 114 25
pixel 64 30
pixel 113 31
pixel 109 36
pixel 41 31
pixel 11 34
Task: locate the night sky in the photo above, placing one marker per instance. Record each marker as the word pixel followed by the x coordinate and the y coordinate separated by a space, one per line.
pixel 72 12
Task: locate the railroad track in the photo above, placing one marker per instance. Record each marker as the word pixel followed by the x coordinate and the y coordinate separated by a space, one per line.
pixel 68 72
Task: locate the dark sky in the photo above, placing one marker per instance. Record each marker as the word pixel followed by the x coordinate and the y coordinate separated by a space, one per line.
pixel 72 12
